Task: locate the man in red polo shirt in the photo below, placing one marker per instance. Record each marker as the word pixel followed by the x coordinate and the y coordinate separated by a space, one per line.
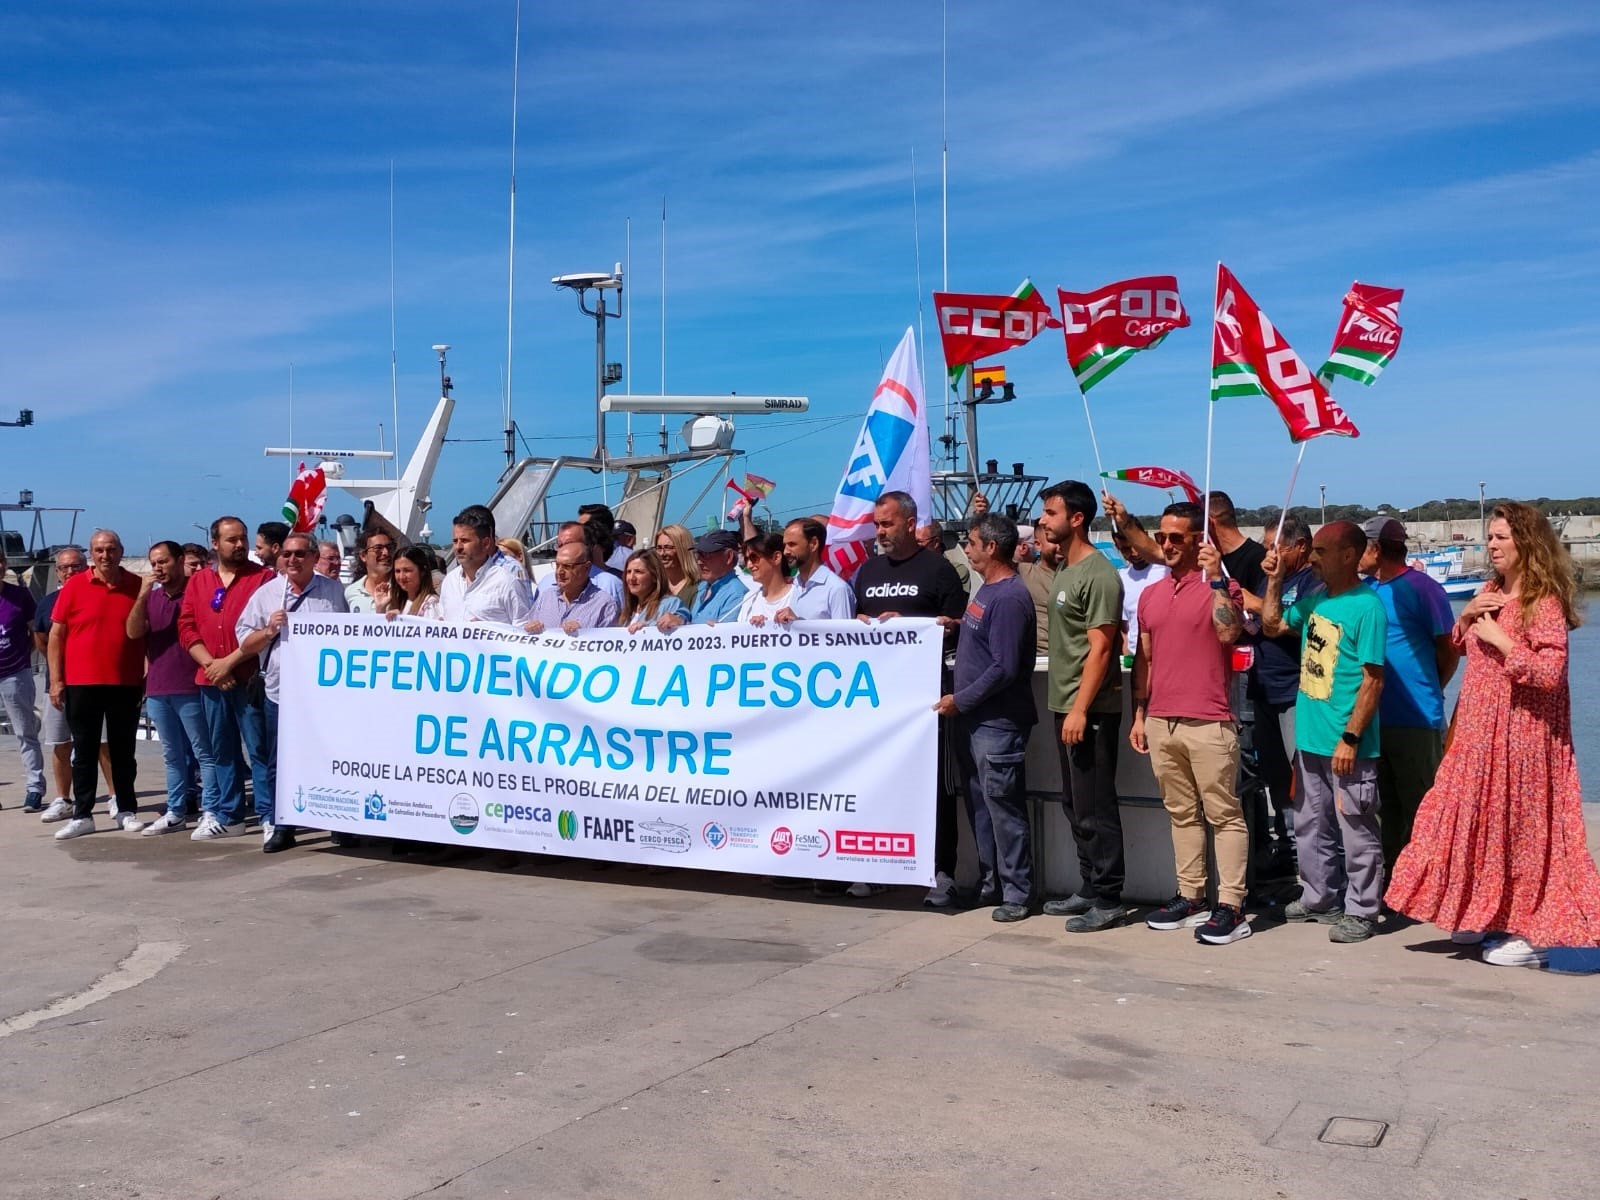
pixel 213 601
pixel 1182 718
pixel 97 678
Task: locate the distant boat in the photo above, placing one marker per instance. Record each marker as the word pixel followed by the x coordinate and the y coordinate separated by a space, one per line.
pixel 1448 569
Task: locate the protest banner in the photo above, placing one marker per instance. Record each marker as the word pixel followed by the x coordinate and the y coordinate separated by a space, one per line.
pixel 808 751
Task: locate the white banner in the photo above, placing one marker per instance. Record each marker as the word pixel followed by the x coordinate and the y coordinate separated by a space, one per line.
pixel 808 752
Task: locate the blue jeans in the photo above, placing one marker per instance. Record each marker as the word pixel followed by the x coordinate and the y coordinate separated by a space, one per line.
pixel 990 756
pixel 17 695
pixel 185 747
pixel 266 802
pixel 229 721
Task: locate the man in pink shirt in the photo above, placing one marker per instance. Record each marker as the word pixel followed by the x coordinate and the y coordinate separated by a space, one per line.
pixel 1181 718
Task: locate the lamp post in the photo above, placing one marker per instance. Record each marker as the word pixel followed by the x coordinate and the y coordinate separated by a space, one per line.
pixel 1322 489
pixel 1483 527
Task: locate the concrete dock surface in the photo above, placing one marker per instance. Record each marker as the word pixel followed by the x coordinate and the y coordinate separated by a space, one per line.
pixel 192 1020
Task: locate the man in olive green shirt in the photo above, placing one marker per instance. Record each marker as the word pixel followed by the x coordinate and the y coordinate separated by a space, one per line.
pixel 1085 693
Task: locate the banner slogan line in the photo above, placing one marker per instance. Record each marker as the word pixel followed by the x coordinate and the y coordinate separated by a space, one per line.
pixel 808 751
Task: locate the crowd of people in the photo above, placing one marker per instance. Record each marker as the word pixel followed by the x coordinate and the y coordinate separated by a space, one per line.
pixel 1370 794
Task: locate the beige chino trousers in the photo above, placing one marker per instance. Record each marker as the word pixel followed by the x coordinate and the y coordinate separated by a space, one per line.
pixel 1196 764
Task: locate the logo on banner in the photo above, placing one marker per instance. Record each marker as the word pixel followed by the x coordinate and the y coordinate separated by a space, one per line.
pixel 463 813
pixel 509 813
pixel 782 840
pixel 862 843
pixel 817 843
pixel 664 836
pixel 567 825
pixel 714 835
pixel 299 799
pixel 372 807
pixel 608 829
pixel 883 438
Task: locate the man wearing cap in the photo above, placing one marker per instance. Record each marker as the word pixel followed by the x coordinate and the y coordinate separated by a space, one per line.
pixel 624 535
pixel 1419 658
pixel 721 590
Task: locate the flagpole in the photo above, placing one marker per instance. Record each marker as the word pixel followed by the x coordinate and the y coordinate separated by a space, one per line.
pixel 1293 475
pixel 1211 412
pixel 1093 441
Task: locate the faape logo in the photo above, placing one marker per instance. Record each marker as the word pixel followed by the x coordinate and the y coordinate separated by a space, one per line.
pixel 463 813
pixel 782 840
pixel 862 843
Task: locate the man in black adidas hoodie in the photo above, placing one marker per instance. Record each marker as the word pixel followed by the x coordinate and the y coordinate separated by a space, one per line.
pixel 905 580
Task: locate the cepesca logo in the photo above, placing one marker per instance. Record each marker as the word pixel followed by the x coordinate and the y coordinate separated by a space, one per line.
pixel 567 825
pixel 782 840
pixel 873 844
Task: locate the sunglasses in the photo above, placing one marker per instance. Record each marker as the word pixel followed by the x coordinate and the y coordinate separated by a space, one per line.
pixel 217 597
pixel 1170 539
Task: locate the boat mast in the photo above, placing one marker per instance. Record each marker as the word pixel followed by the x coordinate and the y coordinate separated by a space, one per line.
pixel 511 250
pixel 394 370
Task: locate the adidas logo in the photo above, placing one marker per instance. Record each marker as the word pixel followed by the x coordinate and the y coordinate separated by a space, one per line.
pixel 884 591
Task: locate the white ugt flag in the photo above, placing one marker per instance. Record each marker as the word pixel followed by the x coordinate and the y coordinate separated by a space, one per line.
pixel 890 455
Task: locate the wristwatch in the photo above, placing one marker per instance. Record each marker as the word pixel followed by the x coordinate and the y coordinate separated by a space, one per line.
pixel 1219 585
pixel 1350 739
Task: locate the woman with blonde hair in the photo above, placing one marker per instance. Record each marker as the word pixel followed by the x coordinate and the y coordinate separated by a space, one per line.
pixel 674 545
pixel 646 598
pixel 1498 843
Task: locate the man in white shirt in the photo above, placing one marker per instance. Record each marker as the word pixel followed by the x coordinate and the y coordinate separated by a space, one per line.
pixel 486 585
pixel 261 629
pixel 1139 574
pixel 819 594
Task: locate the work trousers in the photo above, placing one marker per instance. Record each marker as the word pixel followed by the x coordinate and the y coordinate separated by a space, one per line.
pixel 1330 809
pixel 1196 764
pixel 1408 759
pixel 990 756
pixel 113 708
pixel 1089 785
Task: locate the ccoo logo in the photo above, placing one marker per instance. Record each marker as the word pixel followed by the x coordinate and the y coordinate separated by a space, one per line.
pixel 567 825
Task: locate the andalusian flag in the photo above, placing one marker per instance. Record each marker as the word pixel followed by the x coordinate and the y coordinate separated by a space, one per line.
pixel 1368 334
pixel 307 494
pixel 1158 477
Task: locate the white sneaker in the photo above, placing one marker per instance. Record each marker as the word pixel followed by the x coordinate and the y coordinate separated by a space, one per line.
pixel 1466 937
pixel 943 892
pixel 76 827
pixel 167 822
pixel 267 828
pixel 60 809
pixel 1513 952
pixel 210 829
pixel 130 823
pixel 860 891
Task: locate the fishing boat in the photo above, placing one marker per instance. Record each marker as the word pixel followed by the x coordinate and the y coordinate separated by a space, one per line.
pixel 1448 569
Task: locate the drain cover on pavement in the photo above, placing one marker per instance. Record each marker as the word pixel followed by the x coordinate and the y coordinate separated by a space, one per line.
pixel 1353 1131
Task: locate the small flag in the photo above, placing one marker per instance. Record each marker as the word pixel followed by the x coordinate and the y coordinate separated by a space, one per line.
pixel 1157 477
pixel 1106 327
pixel 1249 357
pixel 307 494
pixel 994 373
pixel 974 326
pixel 1368 334
pixel 752 492
pixel 890 454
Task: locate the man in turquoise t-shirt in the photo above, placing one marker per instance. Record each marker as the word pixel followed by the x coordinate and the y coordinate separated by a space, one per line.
pixel 1343 631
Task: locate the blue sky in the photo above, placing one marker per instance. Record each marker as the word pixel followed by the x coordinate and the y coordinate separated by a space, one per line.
pixel 196 197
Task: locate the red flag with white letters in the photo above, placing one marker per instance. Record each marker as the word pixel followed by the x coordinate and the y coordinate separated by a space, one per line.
pixel 973 326
pixel 1108 326
pixel 1249 357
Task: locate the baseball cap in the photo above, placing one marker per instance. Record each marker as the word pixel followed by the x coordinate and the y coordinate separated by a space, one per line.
pixel 1384 529
pixel 717 539
pixel 624 529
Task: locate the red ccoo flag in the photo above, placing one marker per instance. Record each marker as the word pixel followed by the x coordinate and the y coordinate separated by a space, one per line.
pixel 975 326
pixel 1108 326
pixel 1249 357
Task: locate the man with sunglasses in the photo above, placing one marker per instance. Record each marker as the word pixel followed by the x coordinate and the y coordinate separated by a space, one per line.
pixel 262 628
pixel 213 601
pixel 371 592
pixel 1182 718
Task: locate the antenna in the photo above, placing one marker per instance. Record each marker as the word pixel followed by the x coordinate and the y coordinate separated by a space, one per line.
pixel 291 421
pixel 511 251
pixel 916 235
pixel 394 376
pixel 627 320
pixel 663 316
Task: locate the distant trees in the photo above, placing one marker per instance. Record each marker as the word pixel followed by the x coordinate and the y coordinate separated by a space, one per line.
pixel 1453 509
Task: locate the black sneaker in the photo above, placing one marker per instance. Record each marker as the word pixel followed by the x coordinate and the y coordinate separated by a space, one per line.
pixel 1226 924
pixel 1006 913
pixel 1070 907
pixel 1179 913
pixel 1101 916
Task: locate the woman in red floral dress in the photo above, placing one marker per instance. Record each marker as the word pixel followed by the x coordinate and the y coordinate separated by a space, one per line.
pixel 1498 843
